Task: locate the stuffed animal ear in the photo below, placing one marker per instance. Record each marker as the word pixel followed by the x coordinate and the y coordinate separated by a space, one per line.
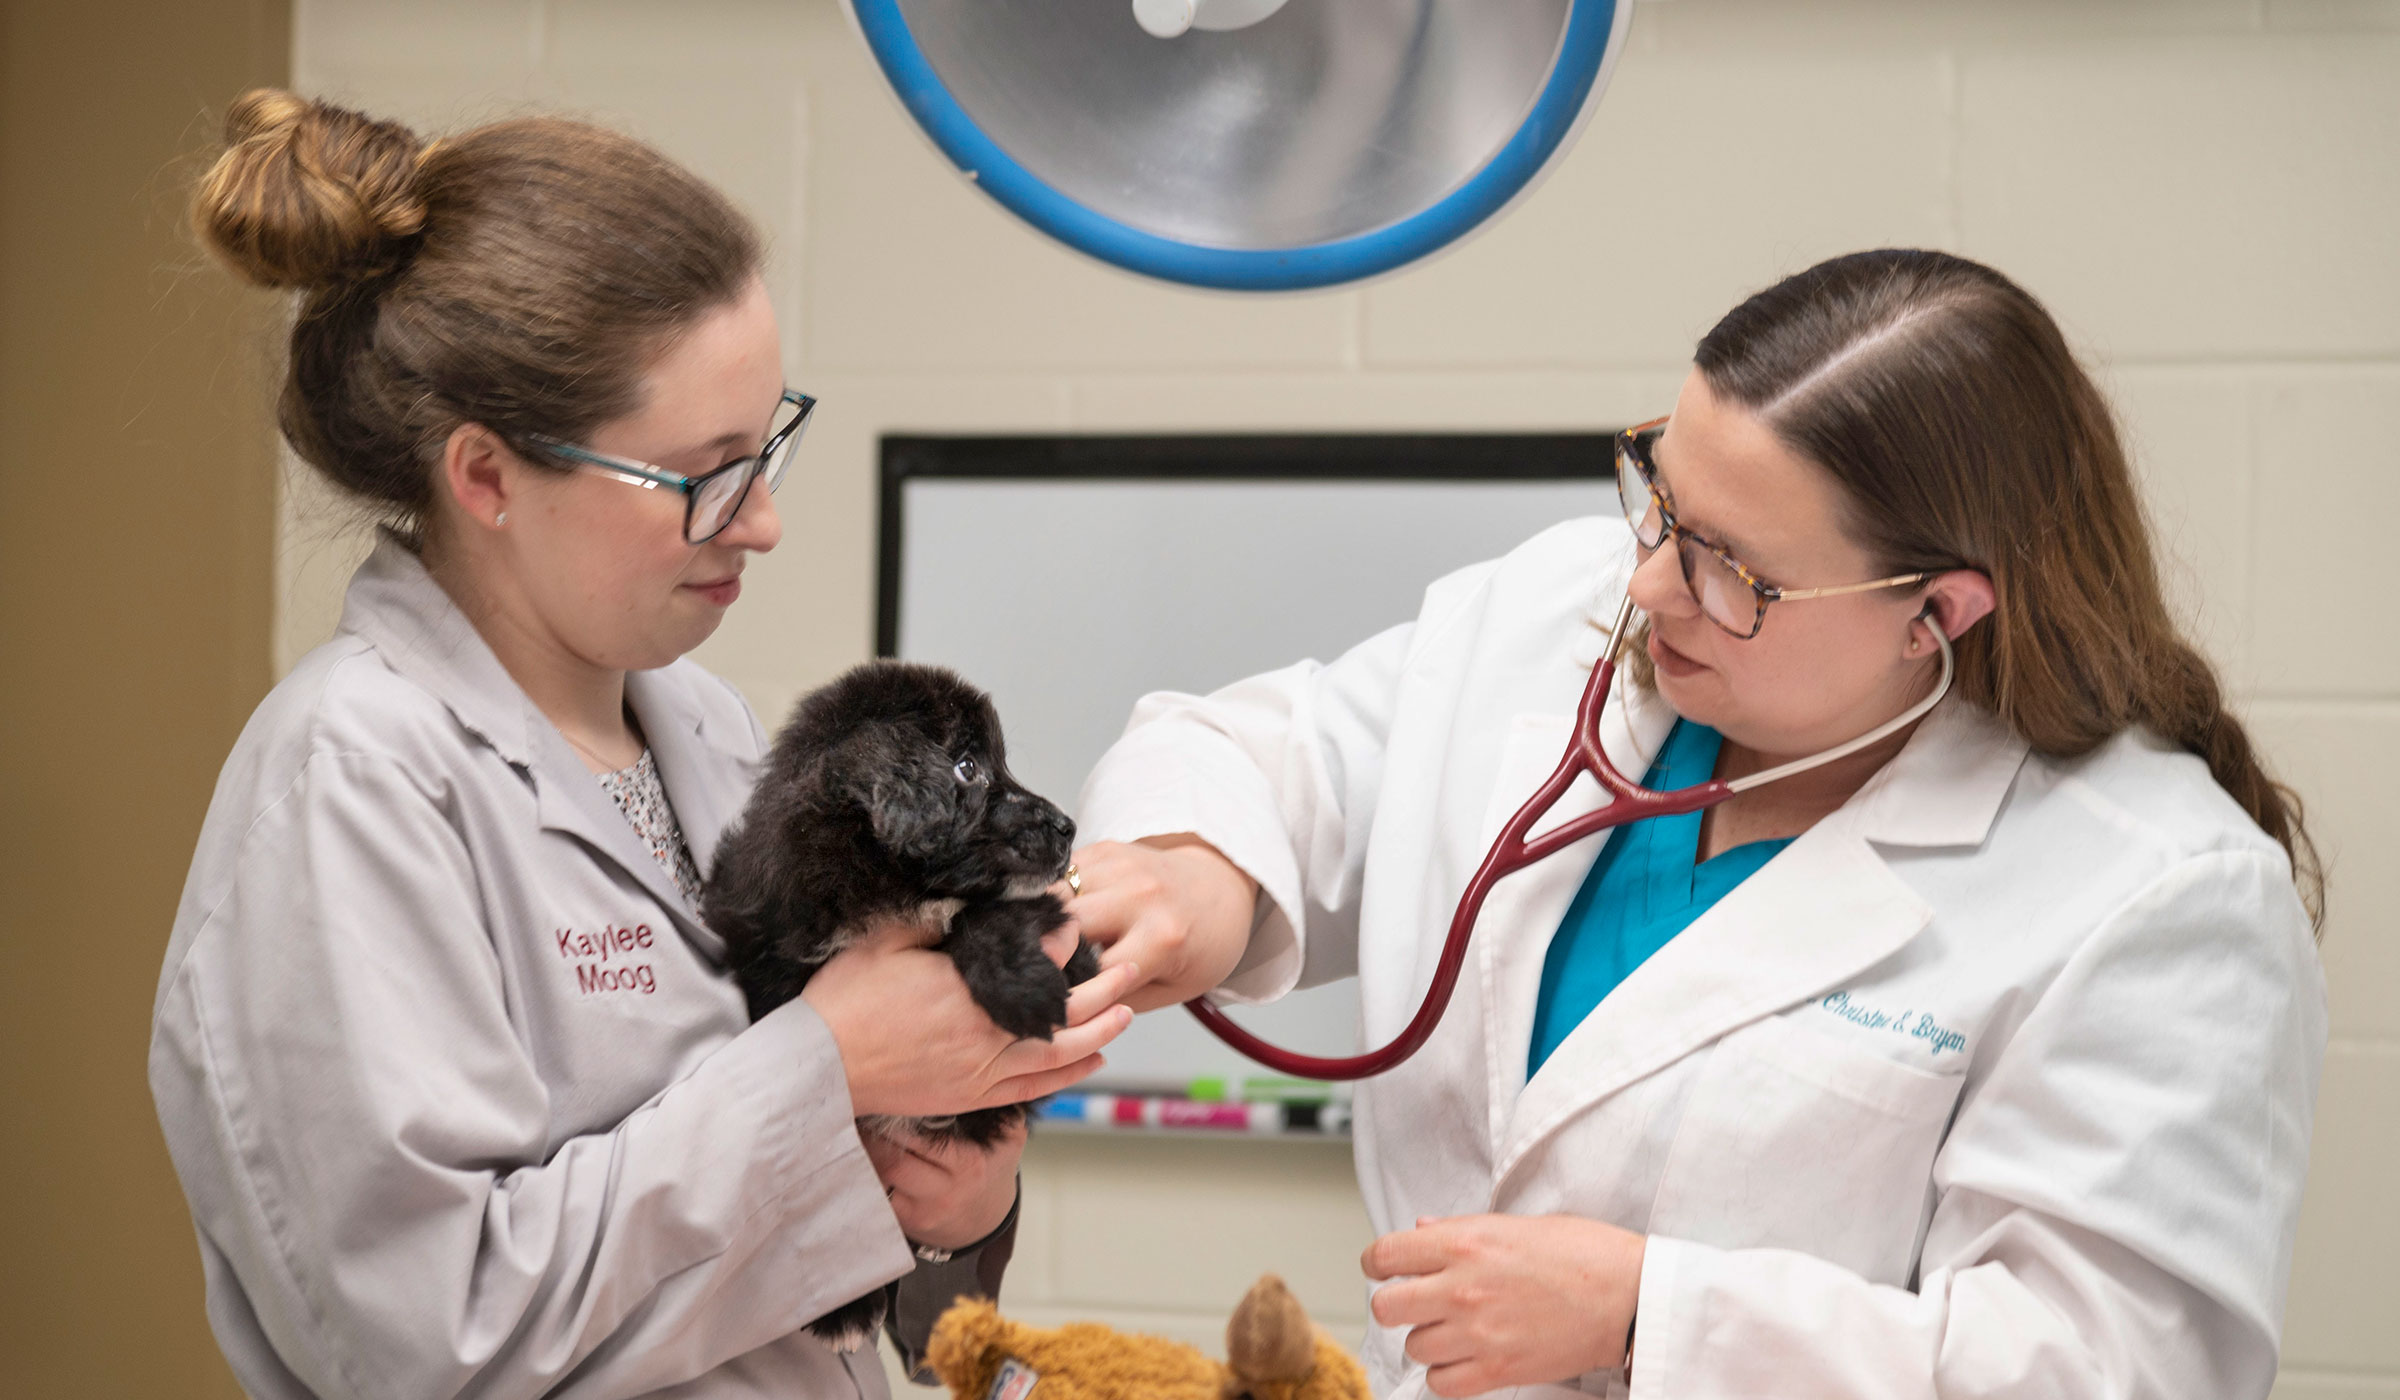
pixel 965 1350
pixel 1269 1338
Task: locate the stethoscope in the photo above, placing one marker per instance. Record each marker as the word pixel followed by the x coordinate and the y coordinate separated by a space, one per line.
pixel 1511 851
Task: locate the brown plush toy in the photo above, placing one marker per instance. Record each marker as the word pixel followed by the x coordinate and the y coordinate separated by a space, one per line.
pixel 1275 1353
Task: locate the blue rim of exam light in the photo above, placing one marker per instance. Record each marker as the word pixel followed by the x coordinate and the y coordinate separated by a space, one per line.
pixel 1581 52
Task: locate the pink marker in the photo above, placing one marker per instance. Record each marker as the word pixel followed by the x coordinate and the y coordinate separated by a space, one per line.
pixel 1228 1117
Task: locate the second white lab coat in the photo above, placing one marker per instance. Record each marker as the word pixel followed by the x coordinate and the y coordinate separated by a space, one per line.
pixel 1997 1082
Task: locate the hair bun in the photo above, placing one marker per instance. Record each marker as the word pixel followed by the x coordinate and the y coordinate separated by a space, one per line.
pixel 308 194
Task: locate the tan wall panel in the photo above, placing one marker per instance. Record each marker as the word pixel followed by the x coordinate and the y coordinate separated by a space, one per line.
pixel 136 529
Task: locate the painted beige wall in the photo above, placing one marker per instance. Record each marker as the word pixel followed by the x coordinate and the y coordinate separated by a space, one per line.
pixel 2205 191
pixel 137 527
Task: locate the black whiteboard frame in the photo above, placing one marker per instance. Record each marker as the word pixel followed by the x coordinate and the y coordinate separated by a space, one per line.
pixel 1315 457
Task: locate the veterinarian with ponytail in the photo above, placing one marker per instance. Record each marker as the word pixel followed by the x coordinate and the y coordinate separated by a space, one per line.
pixel 1978 1063
pixel 457 1084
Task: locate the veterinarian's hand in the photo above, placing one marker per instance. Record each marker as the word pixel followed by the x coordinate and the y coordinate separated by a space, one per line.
pixel 1501 1300
pixel 1170 903
pixel 947 1194
pixel 914 1043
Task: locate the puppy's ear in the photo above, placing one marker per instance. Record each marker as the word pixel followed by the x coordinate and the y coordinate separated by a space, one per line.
pixel 911 801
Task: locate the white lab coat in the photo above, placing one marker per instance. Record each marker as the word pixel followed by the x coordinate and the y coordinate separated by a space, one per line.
pixel 1996 1082
pixel 462 1096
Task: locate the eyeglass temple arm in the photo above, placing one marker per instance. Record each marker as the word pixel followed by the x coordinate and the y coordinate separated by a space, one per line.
pixel 627 471
pixel 1787 595
pixel 640 474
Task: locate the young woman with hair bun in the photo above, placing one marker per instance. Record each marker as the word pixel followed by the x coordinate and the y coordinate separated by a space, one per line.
pixel 457 1083
pixel 1977 1063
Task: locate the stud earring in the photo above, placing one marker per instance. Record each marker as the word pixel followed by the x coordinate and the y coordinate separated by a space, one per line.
pixel 500 519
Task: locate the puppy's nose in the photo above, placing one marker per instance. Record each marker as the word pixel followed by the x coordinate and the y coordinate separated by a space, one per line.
pixel 1061 825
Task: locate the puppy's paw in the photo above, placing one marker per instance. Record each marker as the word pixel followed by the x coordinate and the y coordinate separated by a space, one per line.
pixel 983 1128
pixel 980 1128
pixel 1030 1003
pixel 1083 964
pixel 998 949
pixel 850 1326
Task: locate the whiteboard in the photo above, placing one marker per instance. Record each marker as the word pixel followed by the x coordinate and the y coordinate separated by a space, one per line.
pixel 1071 594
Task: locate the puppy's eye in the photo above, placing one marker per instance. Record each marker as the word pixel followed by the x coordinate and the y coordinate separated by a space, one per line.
pixel 970 772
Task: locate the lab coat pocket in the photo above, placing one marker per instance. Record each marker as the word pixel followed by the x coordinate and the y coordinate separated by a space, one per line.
pixel 1793 1139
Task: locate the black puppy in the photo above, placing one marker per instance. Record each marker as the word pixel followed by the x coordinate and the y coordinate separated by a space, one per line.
pixel 888 795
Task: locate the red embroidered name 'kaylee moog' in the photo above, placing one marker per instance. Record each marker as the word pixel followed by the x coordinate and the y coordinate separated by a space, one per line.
pixel 592 954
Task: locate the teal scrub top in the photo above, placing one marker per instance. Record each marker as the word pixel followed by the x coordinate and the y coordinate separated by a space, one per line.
pixel 1644 888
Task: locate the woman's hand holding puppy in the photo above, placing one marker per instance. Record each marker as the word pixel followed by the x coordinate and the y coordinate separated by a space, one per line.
pixel 947 1195
pixel 914 1043
pixel 1172 904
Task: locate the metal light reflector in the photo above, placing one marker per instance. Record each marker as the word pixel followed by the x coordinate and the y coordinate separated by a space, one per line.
pixel 1330 141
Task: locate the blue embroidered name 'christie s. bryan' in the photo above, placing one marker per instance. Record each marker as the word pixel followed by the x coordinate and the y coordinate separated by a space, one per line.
pixel 1918 1025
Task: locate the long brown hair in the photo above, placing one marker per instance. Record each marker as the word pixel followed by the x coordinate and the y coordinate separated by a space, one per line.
pixel 1945 402
pixel 521 276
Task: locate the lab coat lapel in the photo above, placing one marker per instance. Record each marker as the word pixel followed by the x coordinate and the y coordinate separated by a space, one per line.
pixel 705 784
pixel 570 800
pixel 1512 936
pixel 1823 909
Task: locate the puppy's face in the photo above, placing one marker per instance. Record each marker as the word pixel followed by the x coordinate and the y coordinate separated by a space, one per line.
pixel 925 761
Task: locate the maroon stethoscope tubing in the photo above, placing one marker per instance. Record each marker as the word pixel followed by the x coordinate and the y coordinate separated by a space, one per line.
pixel 1510 852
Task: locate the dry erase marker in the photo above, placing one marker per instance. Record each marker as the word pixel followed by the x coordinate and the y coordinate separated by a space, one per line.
pixel 1231 1117
pixel 1076 1108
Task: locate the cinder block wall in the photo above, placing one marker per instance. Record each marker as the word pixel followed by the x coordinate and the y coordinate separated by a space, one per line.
pixel 2207 192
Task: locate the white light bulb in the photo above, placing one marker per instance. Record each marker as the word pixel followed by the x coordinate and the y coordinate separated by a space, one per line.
pixel 1170 19
pixel 1164 19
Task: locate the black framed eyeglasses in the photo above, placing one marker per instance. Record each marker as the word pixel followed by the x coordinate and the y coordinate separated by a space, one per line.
pixel 1733 597
pixel 710 501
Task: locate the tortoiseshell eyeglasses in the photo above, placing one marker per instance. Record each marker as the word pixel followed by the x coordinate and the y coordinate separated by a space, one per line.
pixel 1733 597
